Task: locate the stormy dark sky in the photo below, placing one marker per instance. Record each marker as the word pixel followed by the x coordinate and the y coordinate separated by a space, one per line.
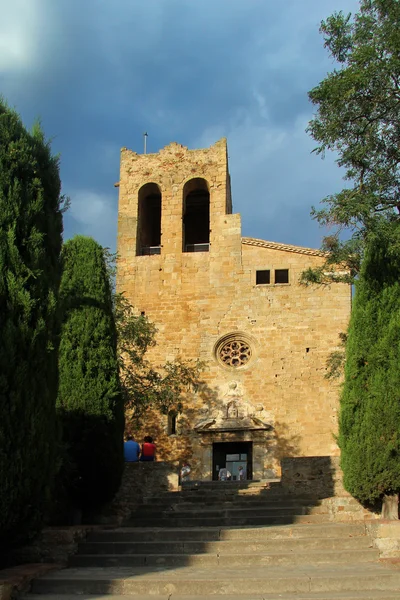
pixel 98 73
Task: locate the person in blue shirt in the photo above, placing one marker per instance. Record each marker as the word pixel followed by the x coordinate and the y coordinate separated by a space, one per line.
pixel 131 450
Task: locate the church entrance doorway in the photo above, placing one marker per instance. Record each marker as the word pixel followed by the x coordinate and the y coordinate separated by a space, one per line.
pixel 232 455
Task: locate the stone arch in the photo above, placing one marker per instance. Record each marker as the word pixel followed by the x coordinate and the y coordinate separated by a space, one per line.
pixel 148 239
pixel 196 215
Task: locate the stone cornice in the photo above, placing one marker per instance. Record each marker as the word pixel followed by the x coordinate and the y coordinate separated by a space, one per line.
pixel 283 247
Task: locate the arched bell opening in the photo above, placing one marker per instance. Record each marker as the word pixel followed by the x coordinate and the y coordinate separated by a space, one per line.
pixel 196 216
pixel 149 220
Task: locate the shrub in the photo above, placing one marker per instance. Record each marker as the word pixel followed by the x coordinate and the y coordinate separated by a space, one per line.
pixel 369 428
pixel 30 244
pixel 89 401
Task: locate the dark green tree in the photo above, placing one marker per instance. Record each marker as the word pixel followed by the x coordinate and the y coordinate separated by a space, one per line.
pixel 30 245
pixel 369 424
pixel 358 117
pixel 89 402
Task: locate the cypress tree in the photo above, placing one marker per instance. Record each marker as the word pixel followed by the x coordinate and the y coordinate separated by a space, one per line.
pixel 89 401
pixel 369 427
pixel 30 245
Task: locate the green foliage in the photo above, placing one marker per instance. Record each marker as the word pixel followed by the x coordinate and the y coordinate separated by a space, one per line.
pixel 30 245
pixel 89 402
pixel 143 385
pixel 369 427
pixel 358 117
pixel 337 359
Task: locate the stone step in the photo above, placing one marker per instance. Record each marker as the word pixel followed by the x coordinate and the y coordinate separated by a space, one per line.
pixel 234 499
pixel 354 595
pixel 207 559
pixel 209 534
pixel 223 511
pixel 227 547
pixel 227 489
pixel 233 483
pixel 242 500
pixel 232 492
pixel 175 520
pixel 260 580
pixel 213 497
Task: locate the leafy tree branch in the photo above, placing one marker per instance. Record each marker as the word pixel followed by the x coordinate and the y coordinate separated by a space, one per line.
pixel 358 118
pixel 144 385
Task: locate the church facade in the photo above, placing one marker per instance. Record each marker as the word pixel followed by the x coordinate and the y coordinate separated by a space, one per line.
pixel 236 304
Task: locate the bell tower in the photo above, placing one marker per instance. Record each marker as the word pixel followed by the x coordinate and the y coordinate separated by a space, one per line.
pixel 174 204
pixel 172 201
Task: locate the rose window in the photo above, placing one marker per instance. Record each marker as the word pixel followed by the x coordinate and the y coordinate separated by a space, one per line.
pixel 235 353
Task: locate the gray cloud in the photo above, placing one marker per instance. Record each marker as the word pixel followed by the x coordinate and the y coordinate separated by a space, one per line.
pixel 93 212
pixel 101 72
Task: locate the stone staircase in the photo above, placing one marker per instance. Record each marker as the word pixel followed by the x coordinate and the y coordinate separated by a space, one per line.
pixel 240 541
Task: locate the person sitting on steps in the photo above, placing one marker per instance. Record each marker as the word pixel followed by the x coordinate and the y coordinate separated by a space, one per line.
pixel 131 450
pixel 148 449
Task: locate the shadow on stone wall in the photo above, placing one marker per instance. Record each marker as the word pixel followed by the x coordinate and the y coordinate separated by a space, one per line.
pixel 204 420
pixel 140 481
pixel 286 444
pixel 318 476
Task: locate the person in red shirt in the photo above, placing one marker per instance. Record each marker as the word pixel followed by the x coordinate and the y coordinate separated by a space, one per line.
pixel 148 449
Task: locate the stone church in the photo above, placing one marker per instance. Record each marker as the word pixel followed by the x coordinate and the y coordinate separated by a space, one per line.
pixel 235 303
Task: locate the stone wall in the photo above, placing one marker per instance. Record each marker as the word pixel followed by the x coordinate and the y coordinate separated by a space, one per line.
pixel 319 476
pixel 386 536
pixel 140 481
pixel 199 299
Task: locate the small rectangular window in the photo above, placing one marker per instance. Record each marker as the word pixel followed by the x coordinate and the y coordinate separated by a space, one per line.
pixel 281 275
pixel 262 277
